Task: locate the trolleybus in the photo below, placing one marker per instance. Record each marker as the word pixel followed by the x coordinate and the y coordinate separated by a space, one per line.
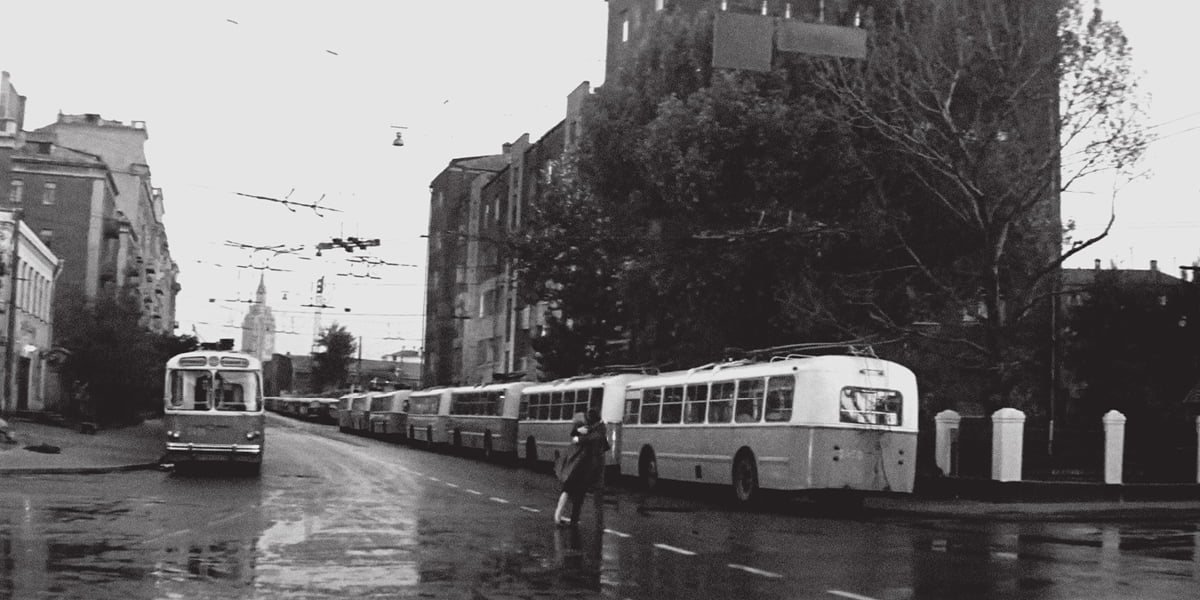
pixel 484 418
pixel 800 423
pixel 213 408
pixel 547 410
pixel 389 414
pixel 427 413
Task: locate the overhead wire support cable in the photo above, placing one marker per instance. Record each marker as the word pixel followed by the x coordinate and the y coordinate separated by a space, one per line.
pixel 288 204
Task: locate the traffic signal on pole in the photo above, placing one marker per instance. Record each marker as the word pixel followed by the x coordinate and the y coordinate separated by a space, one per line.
pixel 320 285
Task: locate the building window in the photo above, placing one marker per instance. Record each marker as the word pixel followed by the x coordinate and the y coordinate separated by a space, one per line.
pixel 658 4
pixel 47 237
pixel 624 27
pixel 48 193
pixel 16 191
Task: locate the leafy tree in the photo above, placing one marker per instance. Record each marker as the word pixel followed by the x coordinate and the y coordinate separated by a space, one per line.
pixel 968 119
pixel 331 365
pixel 121 363
pixel 696 201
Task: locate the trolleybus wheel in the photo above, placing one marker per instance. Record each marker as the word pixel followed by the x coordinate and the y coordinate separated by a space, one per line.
pixel 487 446
pixel 457 437
pixel 745 478
pixel 648 469
pixel 429 436
pixel 411 434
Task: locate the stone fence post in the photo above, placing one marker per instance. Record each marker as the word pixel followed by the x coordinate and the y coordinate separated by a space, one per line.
pixel 1008 444
pixel 1114 446
pixel 945 439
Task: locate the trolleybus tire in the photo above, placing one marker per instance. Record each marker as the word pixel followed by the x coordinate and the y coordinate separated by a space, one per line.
pixel 648 469
pixel 745 478
pixel 487 446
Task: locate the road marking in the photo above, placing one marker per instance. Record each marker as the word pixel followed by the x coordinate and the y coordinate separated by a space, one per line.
pixel 939 545
pixel 1005 555
pixel 453 485
pixel 531 509
pixel 850 595
pixel 471 491
pixel 617 533
pixel 674 549
pixel 500 500
pixel 754 571
pixel 432 478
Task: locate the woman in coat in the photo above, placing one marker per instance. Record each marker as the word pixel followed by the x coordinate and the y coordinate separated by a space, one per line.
pixel 582 467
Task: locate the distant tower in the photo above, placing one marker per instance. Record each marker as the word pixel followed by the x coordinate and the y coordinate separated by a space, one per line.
pixel 258 328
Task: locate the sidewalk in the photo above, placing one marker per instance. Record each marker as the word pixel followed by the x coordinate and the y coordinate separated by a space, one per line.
pixel 106 451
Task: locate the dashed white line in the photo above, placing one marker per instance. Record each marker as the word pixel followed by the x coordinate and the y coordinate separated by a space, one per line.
pixel 674 549
pixel 619 534
pixel 432 478
pixel 754 571
pixel 850 595
pixel 531 509
pixel 500 500
pixel 471 491
pixel 453 485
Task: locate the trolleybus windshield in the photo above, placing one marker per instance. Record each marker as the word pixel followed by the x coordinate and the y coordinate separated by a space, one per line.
pixel 203 390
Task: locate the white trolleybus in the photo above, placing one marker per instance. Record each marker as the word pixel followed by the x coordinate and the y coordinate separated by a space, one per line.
pixel 427 413
pixel 484 418
pixel 214 408
pixel 548 408
pixel 793 424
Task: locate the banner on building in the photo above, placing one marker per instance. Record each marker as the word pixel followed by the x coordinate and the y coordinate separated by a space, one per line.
pixel 818 38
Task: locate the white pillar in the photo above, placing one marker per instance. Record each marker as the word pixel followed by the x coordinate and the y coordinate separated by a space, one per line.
pixel 1114 446
pixel 1008 444
pixel 947 432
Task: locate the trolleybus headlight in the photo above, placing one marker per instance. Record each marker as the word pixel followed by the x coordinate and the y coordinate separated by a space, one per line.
pixel 252 435
pixel 174 435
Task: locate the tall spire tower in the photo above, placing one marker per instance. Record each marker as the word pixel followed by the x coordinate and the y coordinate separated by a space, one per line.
pixel 258 328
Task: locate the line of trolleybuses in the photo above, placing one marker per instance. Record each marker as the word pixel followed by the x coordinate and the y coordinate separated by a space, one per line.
pixel 790 423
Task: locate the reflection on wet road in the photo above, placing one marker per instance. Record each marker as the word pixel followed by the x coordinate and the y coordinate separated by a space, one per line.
pixel 334 516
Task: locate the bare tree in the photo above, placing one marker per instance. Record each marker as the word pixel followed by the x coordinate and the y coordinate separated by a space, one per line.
pixel 981 113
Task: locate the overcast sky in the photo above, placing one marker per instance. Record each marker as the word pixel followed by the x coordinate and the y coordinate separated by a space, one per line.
pixel 279 97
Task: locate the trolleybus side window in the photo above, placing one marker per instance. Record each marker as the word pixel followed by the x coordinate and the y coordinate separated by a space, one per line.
pixel 720 406
pixel 651 403
pixel 568 404
pixel 672 408
pixel 556 408
pixel 695 403
pixel 633 404
pixel 781 390
pixel 597 398
pixel 749 401
pixel 581 401
pixel 539 406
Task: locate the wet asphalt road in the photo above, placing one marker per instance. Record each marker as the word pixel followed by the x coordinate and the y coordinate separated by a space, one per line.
pixel 337 516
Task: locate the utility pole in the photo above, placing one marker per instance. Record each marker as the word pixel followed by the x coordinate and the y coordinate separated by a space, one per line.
pixel 10 342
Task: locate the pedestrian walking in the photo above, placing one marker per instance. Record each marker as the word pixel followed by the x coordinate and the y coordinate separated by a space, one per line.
pixel 582 467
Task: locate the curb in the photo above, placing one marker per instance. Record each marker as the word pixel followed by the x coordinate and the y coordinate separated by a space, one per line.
pixel 78 470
